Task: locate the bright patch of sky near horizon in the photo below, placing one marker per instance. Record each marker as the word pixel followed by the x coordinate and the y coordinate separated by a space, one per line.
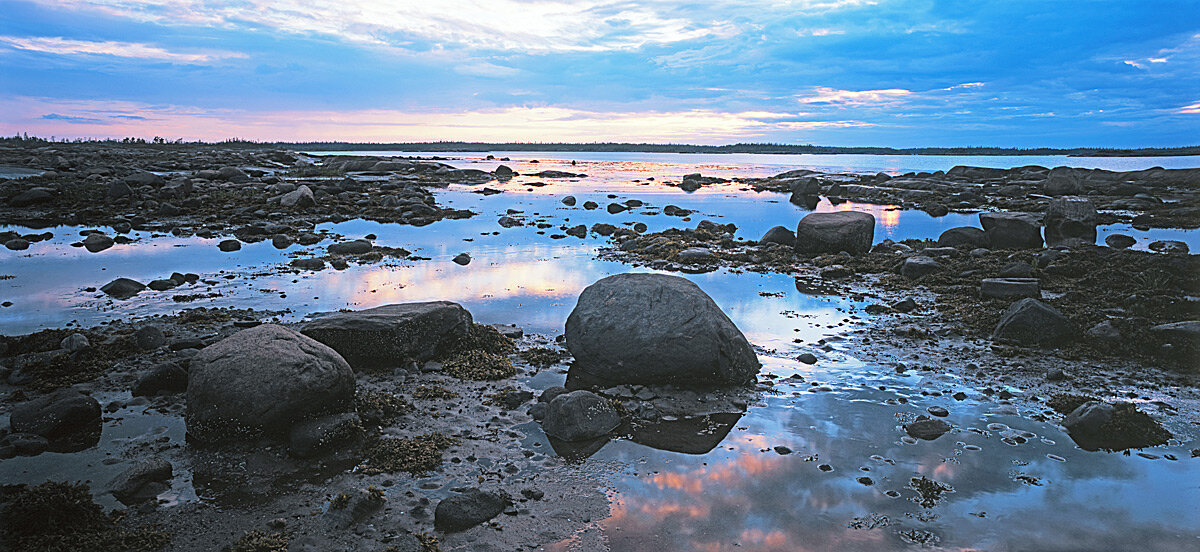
pixel 902 73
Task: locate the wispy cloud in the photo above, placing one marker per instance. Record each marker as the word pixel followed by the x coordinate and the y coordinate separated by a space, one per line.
pixel 547 25
pixel 137 50
pixel 855 98
pixel 69 119
pixel 1194 108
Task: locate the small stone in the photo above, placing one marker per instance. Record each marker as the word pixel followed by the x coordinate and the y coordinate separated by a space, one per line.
pixel 938 411
pixel 807 358
pixel 927 429
pixel 229 245
pixel 462 259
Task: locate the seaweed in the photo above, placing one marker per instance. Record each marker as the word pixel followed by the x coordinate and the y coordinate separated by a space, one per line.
pixel 377 407
pixel 1065 403
pixel 59 516
pixel 542 357
pixel 929 492
pixel 416 455
pixel 433 392
pixel 261 541
pixel 479 365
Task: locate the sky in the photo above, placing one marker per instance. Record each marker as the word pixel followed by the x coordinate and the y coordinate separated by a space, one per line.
pixel 898 73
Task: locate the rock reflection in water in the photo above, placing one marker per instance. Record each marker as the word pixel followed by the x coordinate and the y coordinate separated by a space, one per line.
pixel 691 435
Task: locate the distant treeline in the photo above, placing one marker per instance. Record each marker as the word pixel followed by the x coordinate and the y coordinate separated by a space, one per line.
pixel 639 148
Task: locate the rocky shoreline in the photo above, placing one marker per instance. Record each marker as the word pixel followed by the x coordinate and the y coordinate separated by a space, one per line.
pixel 1067 332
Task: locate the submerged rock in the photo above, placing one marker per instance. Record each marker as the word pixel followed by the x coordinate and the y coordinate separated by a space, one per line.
pixel 356 247
pixel 652 328
pixel 264 380
pixel 849 231
pixel 1120 241
pixel 391 334
pixel 579 416
pixel 1032 322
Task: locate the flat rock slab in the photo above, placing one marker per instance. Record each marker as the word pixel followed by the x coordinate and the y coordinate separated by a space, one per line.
pixel 1010 288
pixel 467 509
pixel 392 334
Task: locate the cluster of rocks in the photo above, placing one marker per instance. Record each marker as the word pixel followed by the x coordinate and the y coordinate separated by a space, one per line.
pixel 213 190
pixel 1160 198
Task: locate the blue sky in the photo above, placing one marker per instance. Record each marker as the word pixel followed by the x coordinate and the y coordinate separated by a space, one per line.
pixel 900 73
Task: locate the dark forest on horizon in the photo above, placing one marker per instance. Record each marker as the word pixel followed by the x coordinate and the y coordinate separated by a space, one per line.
pixel 761 148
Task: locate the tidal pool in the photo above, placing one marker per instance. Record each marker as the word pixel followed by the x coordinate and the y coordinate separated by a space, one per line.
pixel 851 479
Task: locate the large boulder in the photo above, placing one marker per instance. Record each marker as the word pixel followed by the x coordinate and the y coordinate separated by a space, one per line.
pixel 392 334
pixel 264 380
pixel 1011 230
pixel 653 328
pixel 1032 322
pixel 579 416
pixel 835 232
pixel 918 266
pixel 1010 288
pixel 1070 221
pixel 963 235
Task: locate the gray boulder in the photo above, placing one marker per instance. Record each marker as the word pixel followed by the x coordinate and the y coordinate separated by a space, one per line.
pixel 1011 230
pixel 229 245
pixel 74 342
pixel 963 235
pixel 31 197
pixel 1088 417
pixel 462 259
pixel 97 242
pixel 1070 221
pixel 780 235
pixel 118 189
pixel 391 334
pixel 122 288
pixel 695 255
pixel 468 509
pixel 299 198
pixel 918 266
pixel 233 174
pixel 57 415
pixel 1104 331
pixel 168 377
pixel 652 328
pixel 1032 322
pixel 579 416
pixel 142 481
pixel 835 232
pixel 264 380
pixel 356 247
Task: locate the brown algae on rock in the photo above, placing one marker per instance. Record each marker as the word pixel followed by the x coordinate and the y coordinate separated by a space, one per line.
pixel 261 541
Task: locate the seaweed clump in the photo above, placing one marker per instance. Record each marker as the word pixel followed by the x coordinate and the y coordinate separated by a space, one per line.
pixel 433 392
pixel 1065 403
pixel 378 408
pixel 261 541
pixel 1131 428
pixel 416 455
pixel 59 516
pixel 479 365
pixel 542 357
pixel 929 492
pixel 480 356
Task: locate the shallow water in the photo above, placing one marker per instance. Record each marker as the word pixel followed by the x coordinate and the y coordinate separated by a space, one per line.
pixel 741 495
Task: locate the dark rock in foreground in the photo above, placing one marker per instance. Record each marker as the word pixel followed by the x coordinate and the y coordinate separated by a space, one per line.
pixel 391 334
pixel 849 231
pixel 654 328
pixel 1032 322
pixel 468 509
pixel 264 380
pixel 57 415
pixel 579 416
pixel 963 235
